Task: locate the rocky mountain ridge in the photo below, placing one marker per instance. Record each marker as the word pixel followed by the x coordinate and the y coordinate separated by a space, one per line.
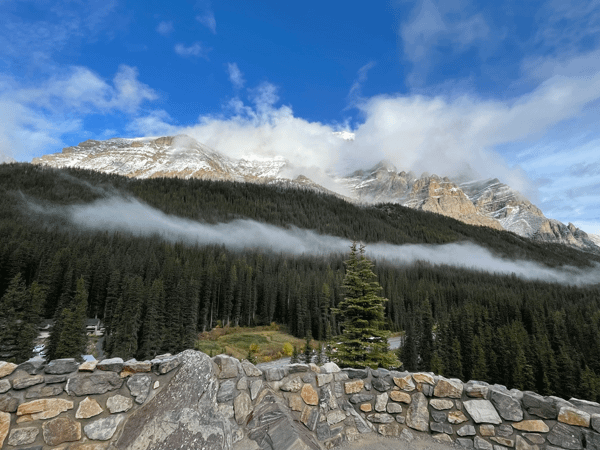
pixel 480 202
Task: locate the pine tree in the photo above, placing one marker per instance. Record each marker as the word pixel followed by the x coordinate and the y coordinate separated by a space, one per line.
pixel 363 342
pixel 68 336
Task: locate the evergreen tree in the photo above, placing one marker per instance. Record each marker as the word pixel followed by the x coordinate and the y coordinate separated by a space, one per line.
pixel 363 342
pixel 68 335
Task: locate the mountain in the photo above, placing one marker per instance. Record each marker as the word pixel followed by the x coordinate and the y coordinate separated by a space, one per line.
pixel 477 202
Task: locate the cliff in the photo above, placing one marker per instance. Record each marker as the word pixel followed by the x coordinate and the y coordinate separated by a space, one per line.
pixel 192 401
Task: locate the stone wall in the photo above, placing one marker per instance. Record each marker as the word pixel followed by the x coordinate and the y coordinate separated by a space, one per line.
pixel 191 401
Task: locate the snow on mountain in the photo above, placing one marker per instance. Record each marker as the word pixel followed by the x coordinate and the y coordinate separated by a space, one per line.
pixel 482 202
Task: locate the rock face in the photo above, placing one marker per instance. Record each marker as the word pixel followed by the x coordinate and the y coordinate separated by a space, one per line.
pixel 181 413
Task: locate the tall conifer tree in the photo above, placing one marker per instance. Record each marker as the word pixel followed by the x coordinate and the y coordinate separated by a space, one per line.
pixel 363 342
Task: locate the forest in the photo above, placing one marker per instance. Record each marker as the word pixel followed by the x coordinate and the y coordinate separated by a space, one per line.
pixel 156 296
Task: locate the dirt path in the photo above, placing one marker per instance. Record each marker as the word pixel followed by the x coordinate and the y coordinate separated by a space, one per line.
pixel 374 441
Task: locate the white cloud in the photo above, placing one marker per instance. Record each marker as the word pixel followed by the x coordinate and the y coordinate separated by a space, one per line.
pixel 355 93
pixel 208 20
pixel 235 75
pixel 165 28
pixel 196 50
pixel 33 119
pixel 156 123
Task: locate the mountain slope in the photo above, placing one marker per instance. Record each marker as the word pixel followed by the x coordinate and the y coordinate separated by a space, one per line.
pixel 487 203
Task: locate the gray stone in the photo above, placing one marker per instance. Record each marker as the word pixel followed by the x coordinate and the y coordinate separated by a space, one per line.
pixel 226 410
pixel 381 402
pixel 227 365
pixel 565 436
pixel 103 429
pixel 227 391
pixel 338 389
pixel 255 388
pixel 356 373
pixel 8 403
pixel 534 438
pixel 118 403
pixel 327 398
pixel 507 407
pixel 465 442
pixel 308 377
pixel 166 365
pixel 4 386
pixel 380 418
pixel 394 408
pixel 330 367
pixel 441 427
pixel 93 383
pixel 466 430
pixel 324 378
pixel 477 389
pixel 439 416
pixel 428 390
pixel 274 374
pixel 406 435
pixel 361 398
pixel 505 430
pixel 417 416
pixel 182 412
pixel 340 376
pixel 32 366
pixel 23 436
pixel 381 385
pixel 537 405
pixel 482 444
pixel 139 386
pixel 361 425
pixel 400 419
pixel 23 381
pixel 482 411
pixel 61 429
pixel 298 368
pixel 250 369
pixel 44 391
pixel 242 405
pixel 367 386
pixel 336 416
pixel 60 366
pixel 323 431
pixel 242 384
pixel 522 444
pixel 53 379
pixel 293 385
pixel 586 405
pixel 591 439
pixel 111 365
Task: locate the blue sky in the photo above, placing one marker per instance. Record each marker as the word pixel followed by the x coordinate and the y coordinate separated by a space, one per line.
pixel 493 89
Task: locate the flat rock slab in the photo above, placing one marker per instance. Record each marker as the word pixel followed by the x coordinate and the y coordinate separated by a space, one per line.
pixel 4 426
pixel 23 436
pixel 111 365
pixel 45 408
pixel 417 416
pixel 93 383
pixel 103 429
pixel 61 429
pixel 6 368
pixel 183 414
pixel 508 407
pixel 139 386
pixel 60 366
pixel 482 411
pixel 25 381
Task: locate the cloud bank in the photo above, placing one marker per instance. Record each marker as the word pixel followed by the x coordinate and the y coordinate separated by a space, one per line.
pixel 132 216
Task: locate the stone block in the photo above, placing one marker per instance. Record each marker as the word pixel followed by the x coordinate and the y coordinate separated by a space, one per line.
pixel 103 429
pixel 139 386
pixel 355 399
pixel 309 395
pixel 132 367
pixel 242 406
pixel 405 383
pixel 437 427
pixel 534 438
pixel 88 407
pixel 572 416
pixel 482 411
pixel 366 407
pixel 451 388
pixel 8 403
pixel 585 405
pixel 4 386
pixel 535 404
pixel 60 366
pixel 4 426
pixel 23 380
pixel 381 402
pixel 522 444
pixel 456 417
pixel 487 430
pixel 6 368
pixel 93 383
pixel 394 408
pixel 61 429
pixel 251 370
pixel 227 391
pixel 399 396
pixel 23 436
pixel 507 407
pixel 274 374
pixel 45 408
pixel 466 430
pixel 44 391
pixel 335 417
pixel 565 436
pixel 381 385
pixel 111 365
pixel 330 367
pixel 356 373
pixel 505 430
pixel 417 416
pixel 477 389
pixel 293 385
pixel 88 366
pixel 442 437
pixel 441 404
pixel 255 387
pixel 353 387
pixel 380 418
pixel 309 417
pixel 482 444
pixel 324 378
pixel 119 403
pixel 503 441
pixel 423 378
pixel 465 442
pixel 536 426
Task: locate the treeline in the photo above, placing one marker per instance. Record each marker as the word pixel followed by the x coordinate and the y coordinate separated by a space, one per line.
pixel 156 297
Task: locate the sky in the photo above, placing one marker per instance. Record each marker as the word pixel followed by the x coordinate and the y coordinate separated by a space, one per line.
pixel 509 90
